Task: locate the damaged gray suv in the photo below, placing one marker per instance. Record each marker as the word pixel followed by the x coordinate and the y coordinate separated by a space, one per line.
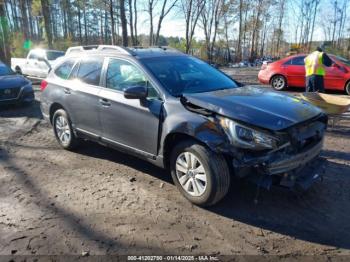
pixel 182 114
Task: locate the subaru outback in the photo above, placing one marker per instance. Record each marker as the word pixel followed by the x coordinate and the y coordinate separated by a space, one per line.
pixel 182 114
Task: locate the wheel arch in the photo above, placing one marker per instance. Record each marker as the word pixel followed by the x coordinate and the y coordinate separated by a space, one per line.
pixel 218 168
pixel 53 108
pixel 172 139
pixel 216 142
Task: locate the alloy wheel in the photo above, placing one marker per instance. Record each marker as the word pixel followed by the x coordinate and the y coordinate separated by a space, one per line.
pixel 347 88
pixel 63 130
pixel 278 83
pixel 191 174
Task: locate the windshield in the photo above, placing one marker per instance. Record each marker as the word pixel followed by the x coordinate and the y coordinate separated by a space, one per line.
pixel 5 70
pixel 53 55
pixel 343 60
pixel 186 74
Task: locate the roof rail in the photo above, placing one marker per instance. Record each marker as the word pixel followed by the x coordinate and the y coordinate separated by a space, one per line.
pixel 78 49
pixel 165 48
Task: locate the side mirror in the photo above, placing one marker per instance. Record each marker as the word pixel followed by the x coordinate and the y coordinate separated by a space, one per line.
pixel 136 92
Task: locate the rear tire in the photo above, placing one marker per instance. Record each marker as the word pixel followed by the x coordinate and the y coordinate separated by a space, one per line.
pixel 278 82
pixel 347 88
pixel 18 70
pixel 205 178
pixel 63 130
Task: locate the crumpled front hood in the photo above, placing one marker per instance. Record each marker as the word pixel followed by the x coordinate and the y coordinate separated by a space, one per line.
pixel 256 106
pixel 10 81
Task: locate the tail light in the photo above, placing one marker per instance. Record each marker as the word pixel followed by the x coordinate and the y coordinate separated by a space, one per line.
pixel 43 85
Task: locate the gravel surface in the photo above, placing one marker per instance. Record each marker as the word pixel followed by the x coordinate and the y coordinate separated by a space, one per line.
pixel 248 75
pixel 99 201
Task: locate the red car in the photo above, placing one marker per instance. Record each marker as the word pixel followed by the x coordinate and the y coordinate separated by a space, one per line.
pixel 290 71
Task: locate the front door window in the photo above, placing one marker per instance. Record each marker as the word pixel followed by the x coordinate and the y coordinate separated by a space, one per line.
pixel 122 74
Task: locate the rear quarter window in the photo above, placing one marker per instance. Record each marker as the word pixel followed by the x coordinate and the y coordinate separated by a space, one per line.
pixel 63 71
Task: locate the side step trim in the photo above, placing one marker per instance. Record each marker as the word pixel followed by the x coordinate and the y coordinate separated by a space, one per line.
pixel 117 144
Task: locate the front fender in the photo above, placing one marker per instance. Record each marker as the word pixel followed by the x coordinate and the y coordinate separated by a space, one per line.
pixel 206 130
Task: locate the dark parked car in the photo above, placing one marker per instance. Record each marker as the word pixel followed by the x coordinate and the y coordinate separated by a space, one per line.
pixel 180 113
pixel 14 88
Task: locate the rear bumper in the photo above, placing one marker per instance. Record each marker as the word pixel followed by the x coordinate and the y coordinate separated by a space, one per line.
pixel 264 77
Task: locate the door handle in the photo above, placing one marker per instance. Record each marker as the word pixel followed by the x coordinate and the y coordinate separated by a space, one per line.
pixel 105 102
pixel 67 91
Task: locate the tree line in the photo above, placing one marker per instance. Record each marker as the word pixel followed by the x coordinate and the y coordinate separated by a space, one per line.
pixel 233 29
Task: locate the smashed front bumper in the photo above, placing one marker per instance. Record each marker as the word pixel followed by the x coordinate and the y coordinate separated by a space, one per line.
pixel 295 161
pixel 306 176
pixel 299 170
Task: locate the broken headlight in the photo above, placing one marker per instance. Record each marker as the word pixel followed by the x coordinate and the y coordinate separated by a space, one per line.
pixel 246 137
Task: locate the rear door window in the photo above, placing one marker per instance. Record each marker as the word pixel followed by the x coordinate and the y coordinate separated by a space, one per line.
pixel 64 70
pixel 90 70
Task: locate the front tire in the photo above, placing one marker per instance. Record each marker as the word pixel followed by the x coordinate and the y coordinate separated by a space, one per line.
pixel 201 175
pixel 279 83
pixel 347 88
pixel 63 130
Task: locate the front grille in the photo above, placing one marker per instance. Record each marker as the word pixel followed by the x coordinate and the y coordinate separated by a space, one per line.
pixel 9 93
pixel 306 135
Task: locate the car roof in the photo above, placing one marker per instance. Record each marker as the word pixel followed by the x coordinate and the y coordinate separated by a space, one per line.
pixel 136 52
pixel 155 52
pixel 287 58
pixel 297 55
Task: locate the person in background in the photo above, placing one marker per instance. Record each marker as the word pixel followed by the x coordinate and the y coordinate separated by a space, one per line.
pixel 315 64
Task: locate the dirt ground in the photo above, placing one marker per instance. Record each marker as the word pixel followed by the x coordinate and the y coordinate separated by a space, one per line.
pixel 99 201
